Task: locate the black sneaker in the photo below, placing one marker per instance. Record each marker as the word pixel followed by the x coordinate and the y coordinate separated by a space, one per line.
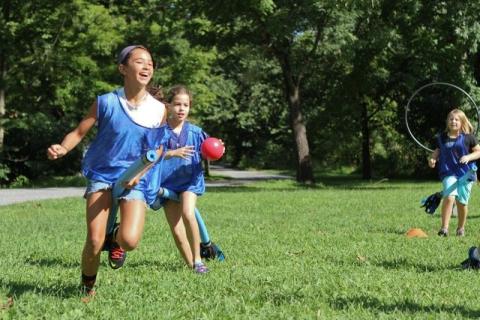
pixel 116 255
pixel 210 251
pixel 470 262
pixel 443 232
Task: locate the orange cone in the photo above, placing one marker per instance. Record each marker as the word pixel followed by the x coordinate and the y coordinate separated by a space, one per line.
pixel 416 233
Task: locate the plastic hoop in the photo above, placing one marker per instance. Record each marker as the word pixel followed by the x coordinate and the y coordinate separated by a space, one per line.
pixel 472 102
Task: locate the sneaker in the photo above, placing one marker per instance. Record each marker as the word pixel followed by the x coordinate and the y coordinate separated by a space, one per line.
pixel 443 232
pixel 116 255
pixel 200 268
pixel 470 262
pixel 461 232
pixel 210 251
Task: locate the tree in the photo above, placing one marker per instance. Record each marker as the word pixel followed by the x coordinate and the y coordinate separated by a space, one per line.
pixel 291 34
pixel 59 54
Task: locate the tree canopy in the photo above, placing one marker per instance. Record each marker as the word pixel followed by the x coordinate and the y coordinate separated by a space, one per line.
pixel 304 85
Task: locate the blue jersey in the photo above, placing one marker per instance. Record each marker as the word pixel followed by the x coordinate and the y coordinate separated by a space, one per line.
pixel 118 143
pixel 451 150
pixel 155 139
pixel 178 174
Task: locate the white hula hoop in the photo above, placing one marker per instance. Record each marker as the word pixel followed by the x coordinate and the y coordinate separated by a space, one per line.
pixel 472 102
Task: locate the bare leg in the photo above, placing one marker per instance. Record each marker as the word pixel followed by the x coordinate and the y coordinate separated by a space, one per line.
pixel 173 214
pixel 98 204
pixel 462 215
pixel 188 201
pixel 132 221
pixel 447 205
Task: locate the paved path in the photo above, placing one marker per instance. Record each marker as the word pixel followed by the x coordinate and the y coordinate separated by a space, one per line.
pixel 236 177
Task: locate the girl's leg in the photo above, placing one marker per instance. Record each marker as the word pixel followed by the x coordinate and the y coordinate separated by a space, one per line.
pixel 447 206
pixel 98 204
pixel 462 216
pixel 188 201
pixel 132 221
pixel 173 213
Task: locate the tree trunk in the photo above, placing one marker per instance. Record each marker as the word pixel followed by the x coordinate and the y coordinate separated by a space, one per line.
pixel 292 90
pixel 3 73
pixel 366 156
pixel 206 167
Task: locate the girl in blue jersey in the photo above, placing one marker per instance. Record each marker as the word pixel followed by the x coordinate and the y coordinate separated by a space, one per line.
pixel 124 118
pixel 182 172
pixel 456 148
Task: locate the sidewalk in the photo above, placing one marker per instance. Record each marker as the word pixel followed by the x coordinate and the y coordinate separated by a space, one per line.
pixel 236 178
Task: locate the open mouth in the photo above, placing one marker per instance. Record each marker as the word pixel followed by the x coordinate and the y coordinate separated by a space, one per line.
pixel 144 75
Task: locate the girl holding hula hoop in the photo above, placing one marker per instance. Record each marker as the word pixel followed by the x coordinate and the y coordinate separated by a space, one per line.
pixel 456 148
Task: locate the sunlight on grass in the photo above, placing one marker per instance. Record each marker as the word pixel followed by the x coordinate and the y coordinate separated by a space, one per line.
pixel 337 251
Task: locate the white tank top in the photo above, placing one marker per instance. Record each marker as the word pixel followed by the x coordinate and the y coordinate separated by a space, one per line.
pixel 149 113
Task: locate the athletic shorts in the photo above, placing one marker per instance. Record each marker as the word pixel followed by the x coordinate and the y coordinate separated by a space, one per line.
pixel 461 192
pixel 128 194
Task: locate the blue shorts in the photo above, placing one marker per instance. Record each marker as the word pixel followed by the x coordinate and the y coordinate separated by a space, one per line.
pixel 128 194
pixel 461 192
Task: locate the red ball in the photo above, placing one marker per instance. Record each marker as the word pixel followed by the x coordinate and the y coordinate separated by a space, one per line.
pixel 212 149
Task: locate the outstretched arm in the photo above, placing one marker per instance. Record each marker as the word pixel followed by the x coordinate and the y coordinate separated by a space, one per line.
pixel 184 152
pixel 56 151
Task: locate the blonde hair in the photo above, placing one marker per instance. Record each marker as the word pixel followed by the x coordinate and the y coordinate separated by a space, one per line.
pixel 466 126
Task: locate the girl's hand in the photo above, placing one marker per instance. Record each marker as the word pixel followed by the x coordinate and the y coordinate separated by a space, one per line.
pixel 432 162
pixel 184 152
pixel 56 151
pixel 132 183
pixel 464 159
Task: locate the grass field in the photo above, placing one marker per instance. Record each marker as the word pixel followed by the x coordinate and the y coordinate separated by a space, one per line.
pixel 333 252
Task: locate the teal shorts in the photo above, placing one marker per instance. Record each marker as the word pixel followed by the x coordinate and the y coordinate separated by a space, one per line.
pixel 461 192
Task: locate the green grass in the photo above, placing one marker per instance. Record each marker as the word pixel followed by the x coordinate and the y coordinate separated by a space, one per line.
pixel 333 252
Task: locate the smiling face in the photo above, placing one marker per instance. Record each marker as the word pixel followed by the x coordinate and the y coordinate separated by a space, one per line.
pixel 138 69
pixel 179 108
pixel 454 123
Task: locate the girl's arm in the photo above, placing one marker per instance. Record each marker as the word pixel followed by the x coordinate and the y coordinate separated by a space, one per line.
pixel 184 152
pixel 474 155
pixel 432 160
pixel 75 136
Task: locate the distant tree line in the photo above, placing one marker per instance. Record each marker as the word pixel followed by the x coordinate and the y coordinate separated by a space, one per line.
pixel 304 85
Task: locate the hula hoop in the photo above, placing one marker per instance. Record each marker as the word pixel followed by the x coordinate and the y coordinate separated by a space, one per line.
pixel 472 102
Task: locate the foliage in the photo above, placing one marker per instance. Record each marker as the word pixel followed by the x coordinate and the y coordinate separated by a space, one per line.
pixel 239 59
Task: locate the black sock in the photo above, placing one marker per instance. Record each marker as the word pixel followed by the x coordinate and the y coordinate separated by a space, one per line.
pixel 89 281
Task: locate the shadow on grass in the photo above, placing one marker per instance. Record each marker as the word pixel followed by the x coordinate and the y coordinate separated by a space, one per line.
pixel 17 289
pixel 405 306
pixel 403 263
pixel 392 230
pixel 173 266
pixel 340 182
pixel 53 262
